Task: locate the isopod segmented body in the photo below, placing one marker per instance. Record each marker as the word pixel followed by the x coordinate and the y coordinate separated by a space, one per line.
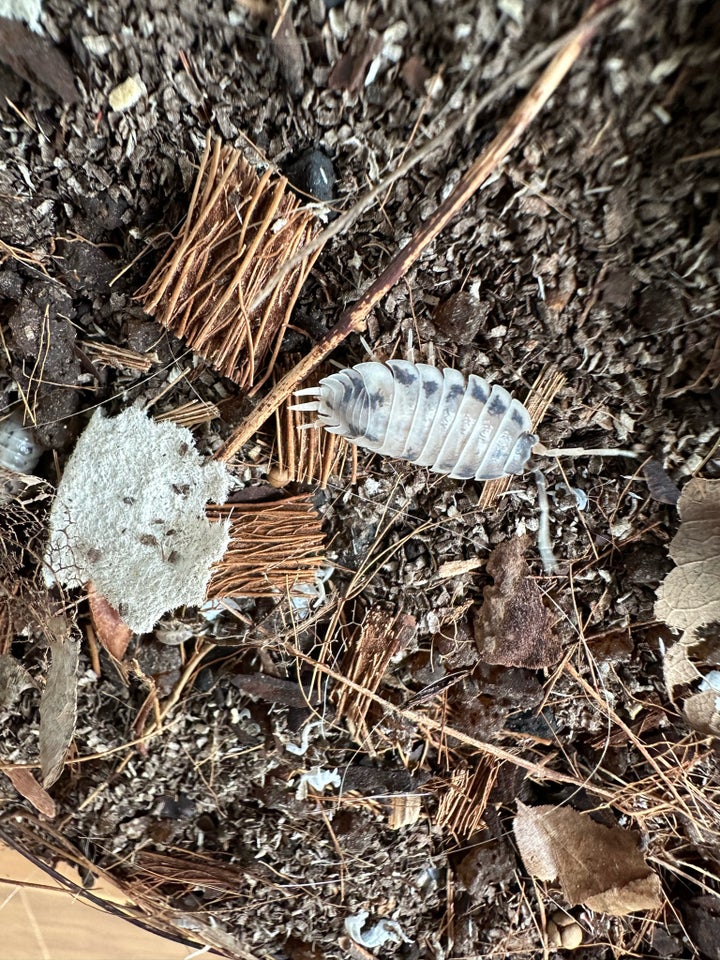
pixel 431 417
pixel 19 450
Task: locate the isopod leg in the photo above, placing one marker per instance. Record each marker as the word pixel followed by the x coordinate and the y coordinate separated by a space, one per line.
pixel 550 564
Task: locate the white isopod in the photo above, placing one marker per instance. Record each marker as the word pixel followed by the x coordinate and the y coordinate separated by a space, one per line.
pixel 19 450
pixel 435 418
pixel 431 417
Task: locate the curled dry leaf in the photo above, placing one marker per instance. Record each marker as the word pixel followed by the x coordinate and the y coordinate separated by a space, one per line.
pixel 601 867
pixel 58 707
pixel 688 600
pixel 28 787
pixel 513 627
pixel 112 631
pixel 689 597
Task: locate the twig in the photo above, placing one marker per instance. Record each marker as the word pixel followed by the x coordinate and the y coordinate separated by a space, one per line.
pixel 353 319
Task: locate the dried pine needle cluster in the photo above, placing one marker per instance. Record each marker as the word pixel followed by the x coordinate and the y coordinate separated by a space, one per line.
pixel 305 454
pixel 239 230
pixel 275 549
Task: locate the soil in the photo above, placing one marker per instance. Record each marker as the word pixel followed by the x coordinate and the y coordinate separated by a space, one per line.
pixel 592 249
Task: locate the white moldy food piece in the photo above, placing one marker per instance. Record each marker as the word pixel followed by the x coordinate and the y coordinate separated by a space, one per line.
pixel 127 94
pixel 130 516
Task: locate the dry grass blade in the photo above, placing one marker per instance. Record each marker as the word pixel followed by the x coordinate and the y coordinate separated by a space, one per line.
pixel 190 414
pixel 463 797
pixel 366 659
pixel 108 355
pixel 275 549
pixel 306 454
pixel 239 230
pixel 542 393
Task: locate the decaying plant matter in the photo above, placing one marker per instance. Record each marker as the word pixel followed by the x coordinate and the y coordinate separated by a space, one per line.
pixel 305 454
pixel 276 548
pixel 240 228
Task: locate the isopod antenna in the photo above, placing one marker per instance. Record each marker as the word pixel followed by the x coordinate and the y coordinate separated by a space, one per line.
pixel 541 450
pixel 544 541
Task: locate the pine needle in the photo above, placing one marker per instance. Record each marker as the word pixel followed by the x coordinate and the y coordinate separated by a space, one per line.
pixel 239 230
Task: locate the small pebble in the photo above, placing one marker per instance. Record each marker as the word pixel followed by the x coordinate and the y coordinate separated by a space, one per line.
pixel 313 173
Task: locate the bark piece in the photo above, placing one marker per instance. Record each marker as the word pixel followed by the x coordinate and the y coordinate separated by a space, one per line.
pixel 36 60
pixel 513 627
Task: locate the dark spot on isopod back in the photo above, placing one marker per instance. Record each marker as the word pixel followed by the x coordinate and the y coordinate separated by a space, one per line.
pixel 404 377
pixel 377 400
pixel 517 417
pixel 478 390
pixel 430 387
pixel 497 405
pixel 455 391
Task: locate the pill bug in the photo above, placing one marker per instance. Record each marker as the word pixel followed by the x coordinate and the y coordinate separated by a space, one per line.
pixel 435 418
pixel 19 449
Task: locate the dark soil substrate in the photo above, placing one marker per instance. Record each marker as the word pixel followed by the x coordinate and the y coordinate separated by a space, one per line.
pixel 593 249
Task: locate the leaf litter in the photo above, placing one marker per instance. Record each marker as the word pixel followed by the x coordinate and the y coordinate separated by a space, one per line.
pixel 688 600
pixel 599 866
pixel 574 248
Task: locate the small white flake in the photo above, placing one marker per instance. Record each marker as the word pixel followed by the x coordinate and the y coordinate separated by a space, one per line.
pixel 380 933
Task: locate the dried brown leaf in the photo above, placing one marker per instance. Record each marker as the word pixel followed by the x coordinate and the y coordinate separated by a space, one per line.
pixel 689 597
pixel 689 600
pixel 702 712
pixel 28 787
pixel 513 627
pixel 58 708
pixel 349 72
pixel 678 669
pixel 112 632
pixel 601 867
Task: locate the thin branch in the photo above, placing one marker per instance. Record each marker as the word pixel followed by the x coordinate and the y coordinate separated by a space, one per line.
pixel 353 319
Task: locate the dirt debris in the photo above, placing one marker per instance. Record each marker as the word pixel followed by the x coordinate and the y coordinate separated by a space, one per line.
pixel 594 248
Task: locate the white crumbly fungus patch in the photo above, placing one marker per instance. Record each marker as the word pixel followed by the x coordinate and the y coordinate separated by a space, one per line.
pixel 318 779
pixel 130 516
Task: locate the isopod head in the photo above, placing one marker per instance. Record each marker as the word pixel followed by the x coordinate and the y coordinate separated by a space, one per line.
pixel 431 417
pixel 19 449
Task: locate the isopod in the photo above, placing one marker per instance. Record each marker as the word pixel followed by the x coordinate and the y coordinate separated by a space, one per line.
pixel 431 417
pixel 466 429
pixel 19 450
